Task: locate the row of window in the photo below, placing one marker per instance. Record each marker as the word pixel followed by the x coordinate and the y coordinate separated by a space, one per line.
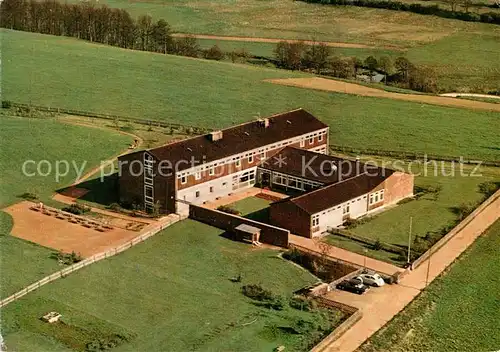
pixel 261 152
pixel 377 197
pixel 294 182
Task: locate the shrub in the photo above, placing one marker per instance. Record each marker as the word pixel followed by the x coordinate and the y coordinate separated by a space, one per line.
pixel 68 258
pixel 463 210
pixel 214 53
pixel 77 209
pixel 6 104
pixel 489 188
pixel 302 303
pixel 29 196
pixel 377 245
pixel 115 207
pixel 105 343
pixel 257 292
pixel 276 303
pixel 228 209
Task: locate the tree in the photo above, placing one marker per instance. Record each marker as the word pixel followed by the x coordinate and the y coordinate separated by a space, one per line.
pixel 453 4
pixel 466 4
pixel 187 46
pixel 356 64
pixel 289 55
pixel 385 64
pixel 317 56
pixel 342 68
pixel 144 29
pixel 403 67
pixel 423 80
pixel 214 53
pixel 161 37
pixel 371 64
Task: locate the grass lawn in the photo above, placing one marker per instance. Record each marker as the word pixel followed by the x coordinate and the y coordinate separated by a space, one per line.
pixel 172 292
pixel 428 213
pixel 220 94
pixel 470 48
pixel 457 312
pixel 253 208
pixel 25 139
pixel 21 262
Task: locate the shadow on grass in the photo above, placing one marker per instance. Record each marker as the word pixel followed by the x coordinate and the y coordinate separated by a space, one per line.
pixel 100 191
pixel 261 215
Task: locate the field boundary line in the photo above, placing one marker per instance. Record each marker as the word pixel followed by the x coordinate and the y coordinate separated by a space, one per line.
pixel 111 117
pixel 93 259
pixel 416 155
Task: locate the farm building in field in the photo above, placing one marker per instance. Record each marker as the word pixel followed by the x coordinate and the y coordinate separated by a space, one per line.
pixel 204 168
pixel 285 152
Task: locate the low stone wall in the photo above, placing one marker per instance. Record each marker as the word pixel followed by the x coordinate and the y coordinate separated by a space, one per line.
pixel 479 220
pixel 269 234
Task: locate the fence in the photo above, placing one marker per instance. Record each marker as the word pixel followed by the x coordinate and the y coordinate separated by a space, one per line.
pixel 407 155
pixel 112 117
pixel 95 258
pixel 477 215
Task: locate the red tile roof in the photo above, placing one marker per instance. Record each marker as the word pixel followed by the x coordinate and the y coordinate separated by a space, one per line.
pixel 239 139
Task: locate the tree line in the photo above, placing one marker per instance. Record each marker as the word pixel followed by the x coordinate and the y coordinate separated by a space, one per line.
pixel 99 24
pixel 488 17
pixel 319 58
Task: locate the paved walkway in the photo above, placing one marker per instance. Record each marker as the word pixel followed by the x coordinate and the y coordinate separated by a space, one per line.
pixel 347 256
pixel 379 305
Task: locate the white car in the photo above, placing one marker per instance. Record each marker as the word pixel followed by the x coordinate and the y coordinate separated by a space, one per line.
pixel 372 279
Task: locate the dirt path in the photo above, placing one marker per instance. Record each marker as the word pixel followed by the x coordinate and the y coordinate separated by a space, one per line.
pixel 331 85
pixel 277 40
pixel 472 95
pixel 381 304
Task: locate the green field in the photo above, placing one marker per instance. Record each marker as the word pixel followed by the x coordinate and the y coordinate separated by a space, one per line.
pixel 21 262
pixel 430 40
pixel 429 213
pixel 25 139
pixel 170 293
pixel 218 94
pixel 459 311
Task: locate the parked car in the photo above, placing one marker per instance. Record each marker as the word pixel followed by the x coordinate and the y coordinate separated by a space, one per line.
pixel 354 285
pixel 372 279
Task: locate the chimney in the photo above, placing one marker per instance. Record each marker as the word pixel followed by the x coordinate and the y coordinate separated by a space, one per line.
pixel 264 122
pixel 215 136
pixel 357 166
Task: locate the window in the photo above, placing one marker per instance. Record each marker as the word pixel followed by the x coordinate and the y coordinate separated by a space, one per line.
pixel 315 220
pixel 197 175
pixel 211 171
pixel 302 143
pixel 250 159
pixel 224 184
pixel 382 195
pixel 311 140
pixel 183 179
pixel 346 209
pixel 262 155
pixel 211 189
pixel 197 194
pixel 320 138
pixel 149 191
pixel 238 163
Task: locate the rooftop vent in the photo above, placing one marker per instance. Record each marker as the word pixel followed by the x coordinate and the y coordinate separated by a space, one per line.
pixel 264 122
pixel 215 136
pixel 289 122
pixel 248 134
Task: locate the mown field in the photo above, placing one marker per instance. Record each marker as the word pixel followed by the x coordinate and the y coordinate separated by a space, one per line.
pixel 219 94
pixel 437 38
pixel 170 293
pixel 457 312
pixel 21 262
pixel 24 139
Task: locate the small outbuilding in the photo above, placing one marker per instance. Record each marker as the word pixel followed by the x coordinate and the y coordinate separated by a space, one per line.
pixel 246 233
